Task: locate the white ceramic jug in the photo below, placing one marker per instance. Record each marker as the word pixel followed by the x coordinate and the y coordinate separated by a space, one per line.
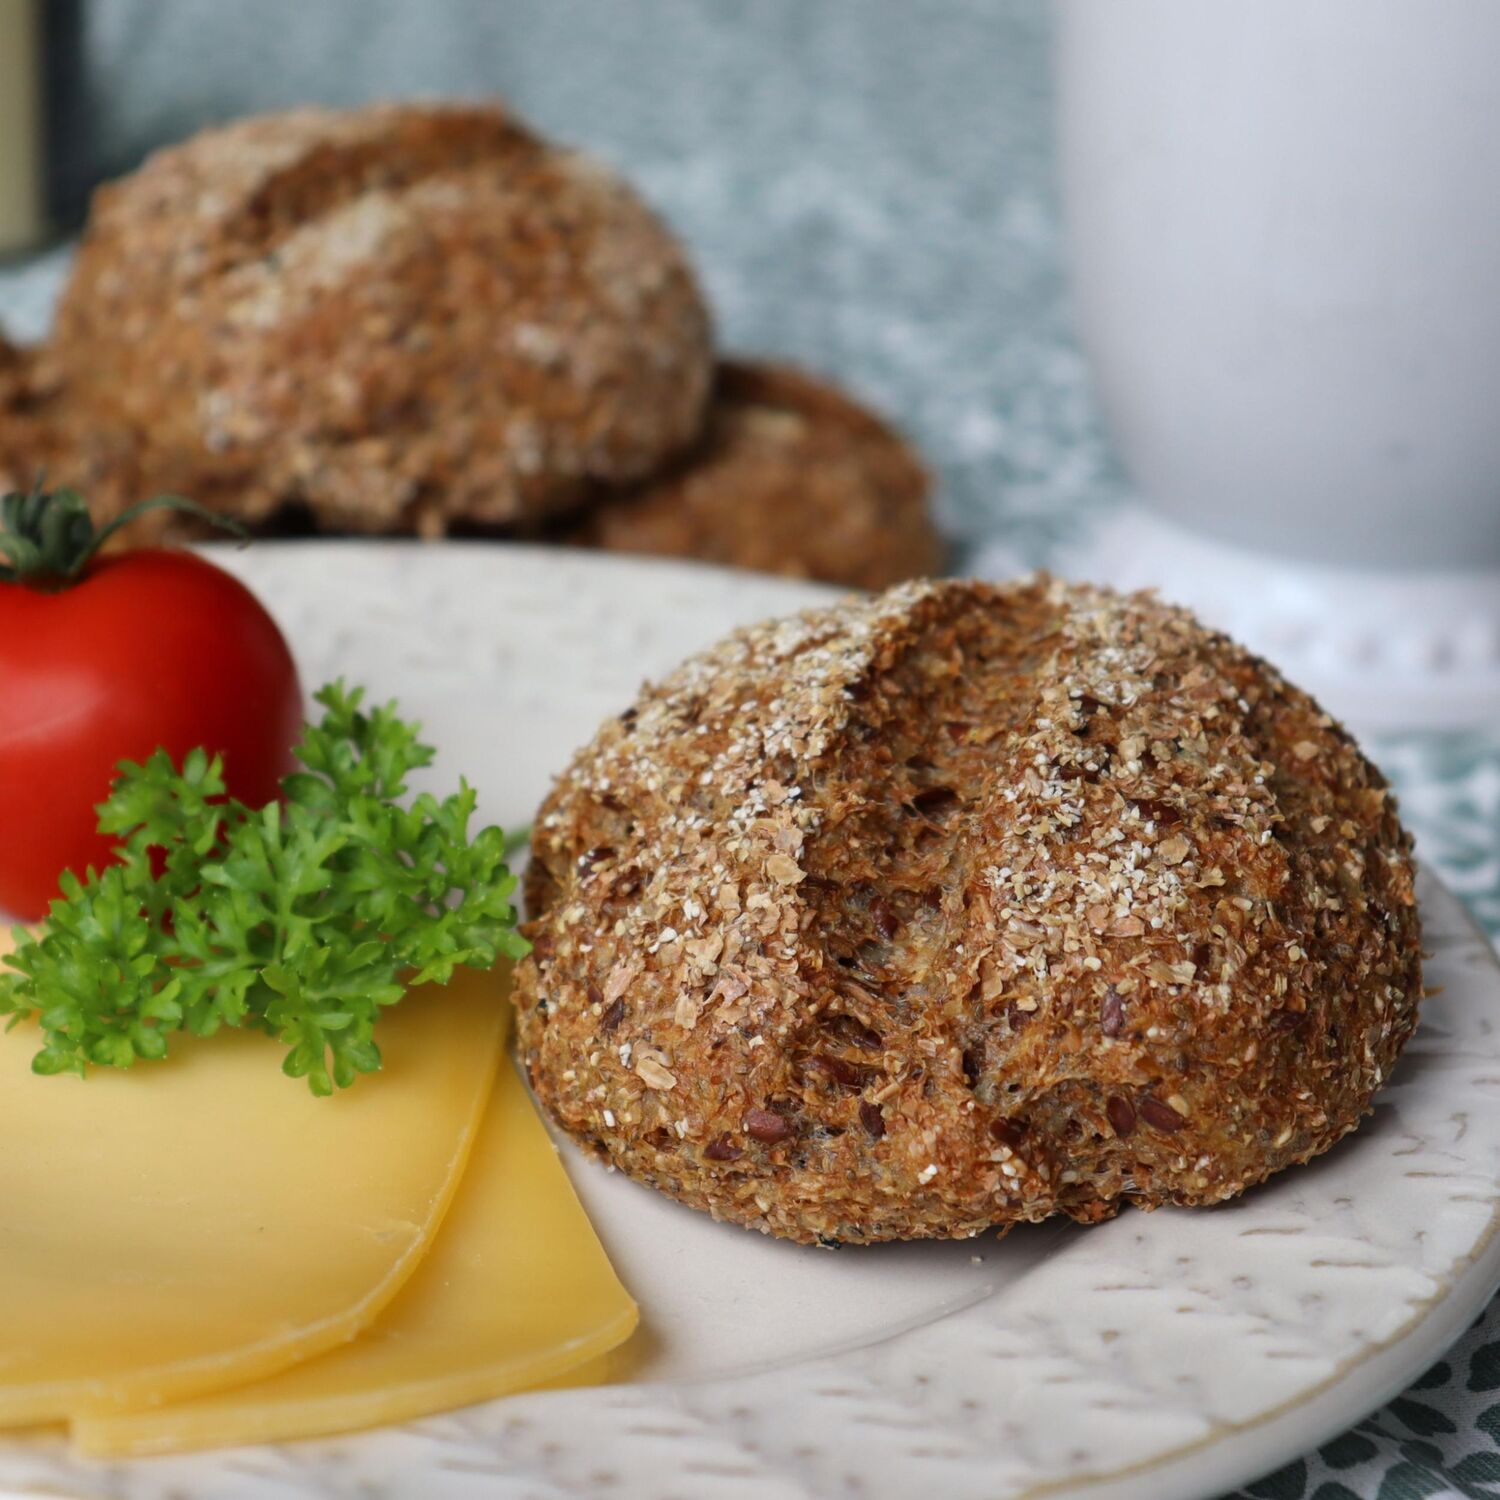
pixel 1284 218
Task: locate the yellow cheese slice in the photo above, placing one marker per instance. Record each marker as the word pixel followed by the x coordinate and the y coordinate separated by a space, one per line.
pixel 192 1224
pixel 517 1292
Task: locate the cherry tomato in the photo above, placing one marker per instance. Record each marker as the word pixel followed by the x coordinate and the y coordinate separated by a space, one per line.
pixel 145 650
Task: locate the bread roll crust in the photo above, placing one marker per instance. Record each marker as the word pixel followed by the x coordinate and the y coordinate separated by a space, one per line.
pixel 964 905
pixel 793 477
pixel 391 315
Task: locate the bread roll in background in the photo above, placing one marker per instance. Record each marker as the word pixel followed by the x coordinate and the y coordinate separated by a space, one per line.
pixel 791 476
pixel 41 440
pixel 391 315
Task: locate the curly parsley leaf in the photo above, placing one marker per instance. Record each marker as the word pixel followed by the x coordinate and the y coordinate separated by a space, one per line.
pixel 302 919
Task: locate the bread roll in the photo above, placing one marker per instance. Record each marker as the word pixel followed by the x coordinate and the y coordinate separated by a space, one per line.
pixel 965 905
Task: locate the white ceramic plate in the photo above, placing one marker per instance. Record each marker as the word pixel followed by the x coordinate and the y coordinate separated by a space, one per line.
pixel 1166 1355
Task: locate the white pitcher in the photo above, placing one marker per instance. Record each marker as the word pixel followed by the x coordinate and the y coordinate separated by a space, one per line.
pixel 1284 218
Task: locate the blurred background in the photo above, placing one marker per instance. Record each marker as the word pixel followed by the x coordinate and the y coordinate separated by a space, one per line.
pixel 1286 263
pixel 866 189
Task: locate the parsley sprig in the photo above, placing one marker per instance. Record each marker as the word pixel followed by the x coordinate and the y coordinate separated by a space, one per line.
pixel 302 919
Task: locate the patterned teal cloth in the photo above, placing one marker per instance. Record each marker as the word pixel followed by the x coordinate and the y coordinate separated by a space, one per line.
pixel 1442 1437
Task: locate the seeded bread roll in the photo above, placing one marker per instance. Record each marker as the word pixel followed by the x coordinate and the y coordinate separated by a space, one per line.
pixel 964 905
pixel 391 315
pixel 791 477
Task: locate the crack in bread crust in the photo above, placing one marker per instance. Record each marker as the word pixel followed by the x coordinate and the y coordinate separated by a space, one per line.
pixel 961 906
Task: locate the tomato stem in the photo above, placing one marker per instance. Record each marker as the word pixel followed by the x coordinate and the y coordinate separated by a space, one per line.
pixel 47 537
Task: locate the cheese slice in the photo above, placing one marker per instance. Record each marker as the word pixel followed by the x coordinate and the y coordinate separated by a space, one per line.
pixel 183 1226
pixel 517 1292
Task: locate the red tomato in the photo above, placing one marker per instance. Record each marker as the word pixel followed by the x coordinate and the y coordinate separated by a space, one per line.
pixel 150 649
